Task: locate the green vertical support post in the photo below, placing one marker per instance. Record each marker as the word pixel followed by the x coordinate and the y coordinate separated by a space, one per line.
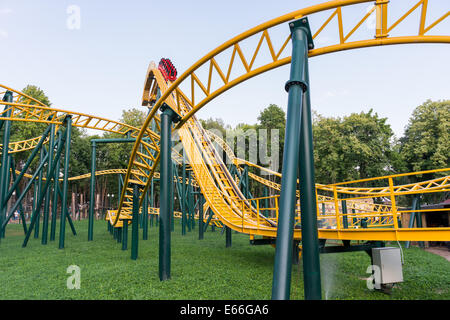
pixel 119 235
pixel 183 196
pixel 38 192
pixel 227 237
pixel 412 217
pixel 92 192
pixel 266 201
pixel 145 217
pixel 200 217
pixel 189 201
pixel 310 241
pixel 172 217
pixel 281 284
pixel 419 223
pixel 245 179
pixel 152 201
pixel 192 210
pixel 17 190
pixel 344 214
pixel 308 204
pixel 47 184
pixel 55 196
pixel 168 116
pixel 124 234
pixel 8 97
pixel 50 174
pixel 119 185
pixel 135 223
pixel 65 187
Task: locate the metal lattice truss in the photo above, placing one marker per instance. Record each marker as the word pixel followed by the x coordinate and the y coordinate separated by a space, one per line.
pixel 235 61
pixel 232 63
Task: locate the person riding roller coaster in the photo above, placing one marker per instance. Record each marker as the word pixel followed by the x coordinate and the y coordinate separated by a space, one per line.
pixel 167 69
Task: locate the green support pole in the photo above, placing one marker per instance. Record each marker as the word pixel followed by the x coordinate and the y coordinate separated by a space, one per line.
pixel 193 205
pixel 172 216
pixel 4 182
pixel 266 201
pixel 211 214
pixel 50 174
pixel 296 86
pixel 227 237
pixel 415 217
pixel 124 234
pixel 183 197
pixel 61 144
pixel 38 192
pixel 168 116
pixel 17 190
pixel 344 214
pixel 152 201
pixel 64 213
pixel 189 201
pixel 145 217
pixel 200 217
pixel 283 251
pixel 55 198
pixel 308 204
pixel 135 223
pixel 92 192
pixel 419 223
pixel 19 200
pixel 119 235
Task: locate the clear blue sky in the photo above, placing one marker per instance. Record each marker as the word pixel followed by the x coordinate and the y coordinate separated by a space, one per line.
pixel 100 68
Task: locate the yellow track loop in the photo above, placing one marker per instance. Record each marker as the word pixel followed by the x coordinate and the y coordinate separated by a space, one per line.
pixel 27 109
pixel 200 89
pixel 235 211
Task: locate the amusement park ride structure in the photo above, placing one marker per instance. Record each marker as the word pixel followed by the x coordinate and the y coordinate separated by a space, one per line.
pixel 312 214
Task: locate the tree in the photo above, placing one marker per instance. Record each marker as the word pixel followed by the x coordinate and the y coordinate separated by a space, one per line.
pixel 21 130
pixel 273 118
pixel 133 117
pixel 426 142
pixel 357 146
pixel 36 93
pixel 214 125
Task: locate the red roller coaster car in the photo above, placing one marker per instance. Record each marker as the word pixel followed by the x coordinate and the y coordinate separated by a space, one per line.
pixel 167 69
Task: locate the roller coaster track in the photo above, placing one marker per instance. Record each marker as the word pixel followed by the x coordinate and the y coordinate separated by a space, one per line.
pixel 219 189
pixel 210 76
pixel 27 109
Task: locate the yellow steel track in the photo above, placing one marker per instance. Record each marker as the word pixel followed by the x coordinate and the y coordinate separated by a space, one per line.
pixel 219 188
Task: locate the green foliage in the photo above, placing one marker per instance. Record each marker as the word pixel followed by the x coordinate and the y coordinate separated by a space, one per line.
pixel 133 117
pixel 426 143
pixel 36 93
pixel 353 147
pixel 215 124
pixel 21 130
pixel 273 117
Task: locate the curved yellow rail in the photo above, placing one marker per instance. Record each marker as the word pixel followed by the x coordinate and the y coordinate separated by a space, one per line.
pixel 201 91
pixel 220 190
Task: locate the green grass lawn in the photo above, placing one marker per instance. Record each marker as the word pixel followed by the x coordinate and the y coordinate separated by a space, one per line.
pixel 200 269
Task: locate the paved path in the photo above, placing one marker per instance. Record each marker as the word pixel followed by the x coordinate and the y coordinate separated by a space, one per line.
pixel 442 251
